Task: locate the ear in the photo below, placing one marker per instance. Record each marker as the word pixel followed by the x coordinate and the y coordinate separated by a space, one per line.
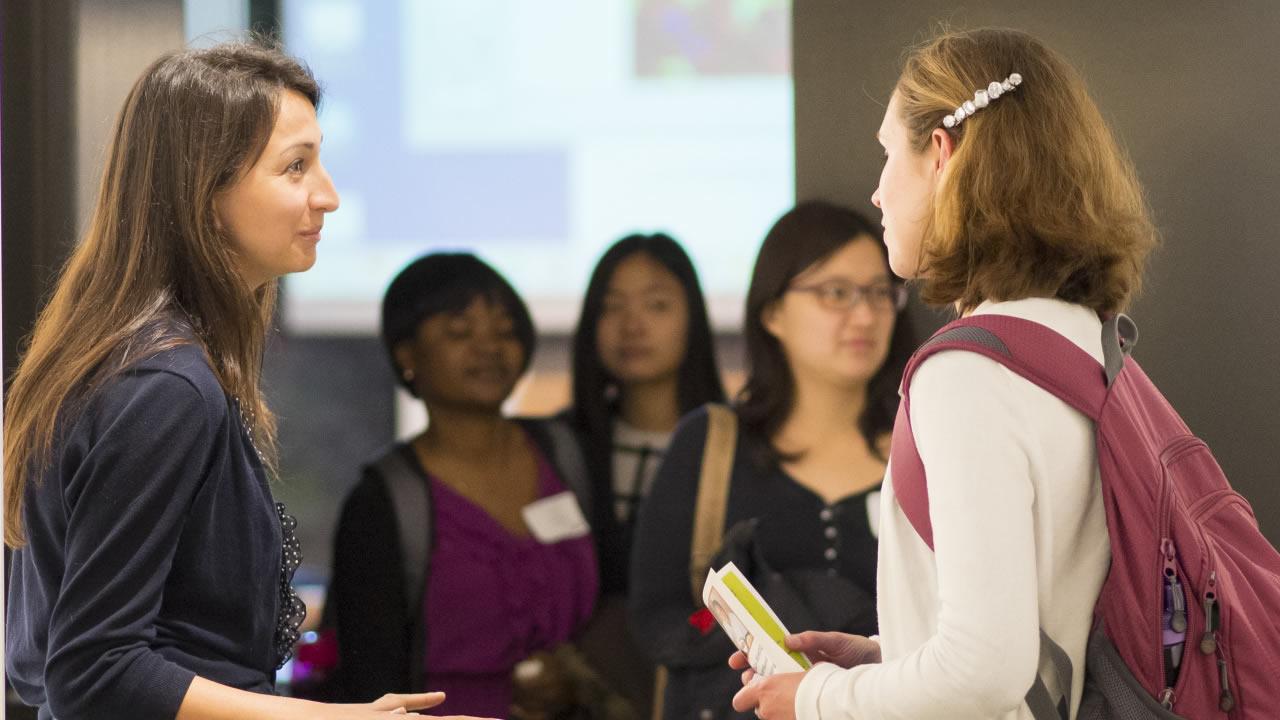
pixel 403 354
pixel 769 319
pixel 217 212
pixel 943 145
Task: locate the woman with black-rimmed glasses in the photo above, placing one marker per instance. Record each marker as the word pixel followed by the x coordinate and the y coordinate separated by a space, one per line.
pixel 826 343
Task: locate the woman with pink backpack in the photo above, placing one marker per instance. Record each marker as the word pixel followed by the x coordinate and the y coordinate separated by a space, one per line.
pixel 1075 552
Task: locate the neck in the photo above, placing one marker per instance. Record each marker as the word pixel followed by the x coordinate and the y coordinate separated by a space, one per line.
pixel 652 405
pixel 465 431
pixel 823 412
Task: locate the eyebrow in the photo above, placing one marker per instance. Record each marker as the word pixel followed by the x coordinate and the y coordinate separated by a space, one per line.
pixel 655 286
pixel 881 278
pixel 308 145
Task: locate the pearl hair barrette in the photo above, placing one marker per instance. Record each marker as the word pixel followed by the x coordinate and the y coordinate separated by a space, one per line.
pixel 981 99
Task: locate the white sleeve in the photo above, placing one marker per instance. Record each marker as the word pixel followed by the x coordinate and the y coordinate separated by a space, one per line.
pixel 973 439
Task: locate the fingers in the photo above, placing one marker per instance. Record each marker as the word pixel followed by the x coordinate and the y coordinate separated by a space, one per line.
pixel 414 701
pixel 738 661
pixel 748 697
pixel 748 675
pixel 813 640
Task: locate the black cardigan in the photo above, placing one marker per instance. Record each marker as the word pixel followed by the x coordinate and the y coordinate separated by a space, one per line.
pixel 380 644
pixel 153 552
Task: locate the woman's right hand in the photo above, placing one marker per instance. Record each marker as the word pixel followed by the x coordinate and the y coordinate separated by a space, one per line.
pixel 399 705
pixel 208 700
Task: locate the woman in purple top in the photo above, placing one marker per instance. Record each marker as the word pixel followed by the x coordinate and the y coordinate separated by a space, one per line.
pixel 507 564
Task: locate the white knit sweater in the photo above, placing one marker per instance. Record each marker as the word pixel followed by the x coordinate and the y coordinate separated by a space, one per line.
pixel 1021 540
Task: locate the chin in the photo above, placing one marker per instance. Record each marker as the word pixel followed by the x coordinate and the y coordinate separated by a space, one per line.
pixel 641 376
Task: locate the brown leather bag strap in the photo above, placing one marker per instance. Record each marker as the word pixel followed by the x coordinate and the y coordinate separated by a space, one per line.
pixel 708 518
pixel 713 494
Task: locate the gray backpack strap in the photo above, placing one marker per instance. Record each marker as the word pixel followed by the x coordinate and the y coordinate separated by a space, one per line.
pixel 566 454
pixel 1119 336
pixel 412 504
pixel 1039 700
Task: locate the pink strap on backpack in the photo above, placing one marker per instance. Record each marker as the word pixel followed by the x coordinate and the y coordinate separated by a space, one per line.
pixel 1028 348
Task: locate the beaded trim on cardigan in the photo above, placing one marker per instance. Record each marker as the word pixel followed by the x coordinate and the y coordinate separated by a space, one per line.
pixel 292 610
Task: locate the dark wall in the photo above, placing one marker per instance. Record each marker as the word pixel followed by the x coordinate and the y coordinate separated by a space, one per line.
pixel 333 398
pixel 37 91
pixel 1191 90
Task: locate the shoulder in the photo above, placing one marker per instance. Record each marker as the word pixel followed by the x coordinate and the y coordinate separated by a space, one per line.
pixel 689 441
pixel 370 495
pixel 965 380
pixel 175 381
pixel 691 432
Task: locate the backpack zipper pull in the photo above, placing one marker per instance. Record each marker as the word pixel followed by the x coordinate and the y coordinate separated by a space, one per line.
pixel 1226 700
pixel 1166 699
pixel 1179 600
pixel 1209 642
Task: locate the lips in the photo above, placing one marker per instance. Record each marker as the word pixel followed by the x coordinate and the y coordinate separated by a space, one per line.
pixel 490 373
pixel 633 352
pixel 312 234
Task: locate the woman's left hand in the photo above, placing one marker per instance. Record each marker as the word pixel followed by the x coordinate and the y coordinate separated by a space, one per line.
pixel 772 698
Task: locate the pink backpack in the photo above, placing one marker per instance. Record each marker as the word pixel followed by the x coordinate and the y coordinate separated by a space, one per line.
pixel 1188 620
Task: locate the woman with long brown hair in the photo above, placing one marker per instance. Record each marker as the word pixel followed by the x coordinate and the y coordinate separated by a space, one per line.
pixel 151 565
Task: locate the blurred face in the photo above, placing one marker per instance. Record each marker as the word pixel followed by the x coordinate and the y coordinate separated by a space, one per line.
pixel 905 193
pixel 275 210
pixel 469 359
pixel 643 330
pixel 846 345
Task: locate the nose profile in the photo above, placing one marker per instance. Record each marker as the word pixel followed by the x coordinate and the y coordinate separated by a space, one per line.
pixel 325 197
pixel 875 197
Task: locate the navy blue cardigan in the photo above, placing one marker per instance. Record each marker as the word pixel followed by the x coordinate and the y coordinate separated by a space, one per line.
pixel 153 552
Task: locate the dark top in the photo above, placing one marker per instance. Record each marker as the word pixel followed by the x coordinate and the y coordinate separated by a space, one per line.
pixel 607 641
pixel 153 555
pixel 369 600
pixel 613 537
pixel 796 530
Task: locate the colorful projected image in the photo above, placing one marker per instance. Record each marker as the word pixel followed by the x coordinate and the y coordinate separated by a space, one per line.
pixel 676 38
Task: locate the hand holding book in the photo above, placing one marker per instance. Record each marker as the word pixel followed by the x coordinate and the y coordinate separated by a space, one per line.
pixel 750 623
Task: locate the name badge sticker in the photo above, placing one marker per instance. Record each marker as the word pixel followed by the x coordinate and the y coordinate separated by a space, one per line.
pixel 555 518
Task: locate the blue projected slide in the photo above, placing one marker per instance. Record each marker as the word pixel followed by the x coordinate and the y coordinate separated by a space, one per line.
pixel 537 133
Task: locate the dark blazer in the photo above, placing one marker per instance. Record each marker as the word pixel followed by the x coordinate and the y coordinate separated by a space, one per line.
pixel 153 554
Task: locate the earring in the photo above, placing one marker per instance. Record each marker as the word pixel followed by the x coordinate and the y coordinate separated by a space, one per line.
pixel 407 375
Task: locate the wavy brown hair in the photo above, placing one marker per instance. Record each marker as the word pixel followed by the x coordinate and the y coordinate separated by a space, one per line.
pixel 155 269
pixel 1038 199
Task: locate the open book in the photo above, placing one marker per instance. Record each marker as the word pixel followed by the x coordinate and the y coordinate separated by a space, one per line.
pixel 749 622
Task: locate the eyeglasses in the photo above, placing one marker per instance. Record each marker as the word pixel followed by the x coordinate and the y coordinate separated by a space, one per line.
pixel 842 296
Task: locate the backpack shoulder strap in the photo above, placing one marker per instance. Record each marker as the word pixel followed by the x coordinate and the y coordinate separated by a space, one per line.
pixel 1039 354
pixel 411 500
pixel 713 493
pixel 1028 348
pixel 569 460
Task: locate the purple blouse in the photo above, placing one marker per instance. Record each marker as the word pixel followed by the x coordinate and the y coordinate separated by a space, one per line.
pixel 494 598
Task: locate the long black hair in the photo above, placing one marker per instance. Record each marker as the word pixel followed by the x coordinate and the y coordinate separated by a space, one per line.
pixel 804 236
pixel 593 386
